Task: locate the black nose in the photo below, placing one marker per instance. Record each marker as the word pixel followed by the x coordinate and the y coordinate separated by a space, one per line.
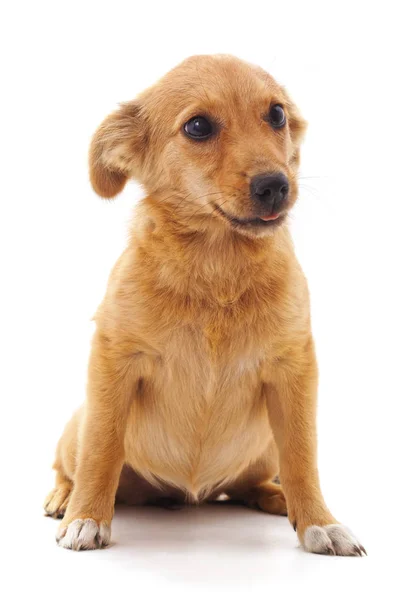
pixel 270 190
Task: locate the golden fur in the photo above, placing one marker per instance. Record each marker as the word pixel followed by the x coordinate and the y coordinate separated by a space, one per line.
pixel 202 377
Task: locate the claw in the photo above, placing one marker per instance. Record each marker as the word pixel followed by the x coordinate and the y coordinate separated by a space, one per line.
pixel 331 551
pixel 359 550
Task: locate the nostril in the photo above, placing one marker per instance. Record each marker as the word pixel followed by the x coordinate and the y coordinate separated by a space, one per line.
pixel 284 190
pixel 266 193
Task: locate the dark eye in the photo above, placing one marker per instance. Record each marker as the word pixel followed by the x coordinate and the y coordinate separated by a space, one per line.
pixel 198 128
pixel 277 116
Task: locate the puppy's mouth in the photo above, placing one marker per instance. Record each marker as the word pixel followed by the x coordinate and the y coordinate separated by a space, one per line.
pixel 258 222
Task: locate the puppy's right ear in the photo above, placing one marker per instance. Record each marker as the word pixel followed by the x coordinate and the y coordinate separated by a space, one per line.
pixel 117 150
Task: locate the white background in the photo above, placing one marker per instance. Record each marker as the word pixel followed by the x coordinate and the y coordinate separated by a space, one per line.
pixel 65 65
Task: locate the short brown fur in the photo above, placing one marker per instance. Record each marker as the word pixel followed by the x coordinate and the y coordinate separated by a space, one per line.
pixel 202 377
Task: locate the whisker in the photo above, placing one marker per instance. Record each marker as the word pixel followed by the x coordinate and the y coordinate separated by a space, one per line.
pixel 307 188
pixel 213 211
pixel 192 198
pixel 313 177
pixel 201 207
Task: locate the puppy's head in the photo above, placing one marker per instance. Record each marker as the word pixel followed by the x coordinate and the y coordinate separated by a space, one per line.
pixel 216 141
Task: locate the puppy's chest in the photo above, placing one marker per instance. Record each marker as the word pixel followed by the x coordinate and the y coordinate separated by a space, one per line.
pixel 235 333
pixel 215 352
pixel 203 402
pixel 220 350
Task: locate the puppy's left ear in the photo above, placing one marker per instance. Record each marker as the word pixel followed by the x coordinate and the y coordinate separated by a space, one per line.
pixel 117 150
pixel 297 128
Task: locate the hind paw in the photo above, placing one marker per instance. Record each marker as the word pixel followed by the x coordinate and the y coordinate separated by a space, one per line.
pixel 56 502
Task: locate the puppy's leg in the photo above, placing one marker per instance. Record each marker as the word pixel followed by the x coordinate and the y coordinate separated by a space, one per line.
pixel 291 400
pixel 266 496
pixel 256 488
pixel 65 465
pixel 57 500
pixel 86 524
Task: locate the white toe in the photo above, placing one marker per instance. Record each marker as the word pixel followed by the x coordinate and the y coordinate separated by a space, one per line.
pixel 84 534
pixel 332 539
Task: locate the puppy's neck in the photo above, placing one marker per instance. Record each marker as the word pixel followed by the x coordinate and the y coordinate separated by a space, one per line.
pixel 212 262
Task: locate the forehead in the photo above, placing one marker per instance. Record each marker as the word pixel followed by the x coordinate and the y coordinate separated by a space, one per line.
pixel 220 84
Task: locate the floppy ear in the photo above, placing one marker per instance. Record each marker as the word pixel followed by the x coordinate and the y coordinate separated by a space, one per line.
pixel 117 150
pixel 297 127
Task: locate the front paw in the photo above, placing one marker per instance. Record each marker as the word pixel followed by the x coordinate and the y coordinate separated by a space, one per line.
pixel 84 534
pixel 332 539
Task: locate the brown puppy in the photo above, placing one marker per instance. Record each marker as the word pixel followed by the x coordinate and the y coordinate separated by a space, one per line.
pixel 203 376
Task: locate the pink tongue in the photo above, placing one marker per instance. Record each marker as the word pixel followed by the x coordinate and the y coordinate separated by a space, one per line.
pixel 270 217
